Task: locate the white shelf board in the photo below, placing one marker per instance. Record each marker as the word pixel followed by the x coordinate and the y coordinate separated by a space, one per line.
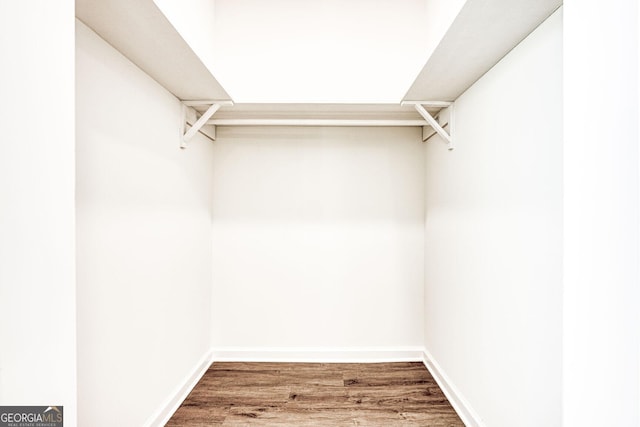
pixel 140 31
pixel 483 33
pixel 310 114
pixel 318 111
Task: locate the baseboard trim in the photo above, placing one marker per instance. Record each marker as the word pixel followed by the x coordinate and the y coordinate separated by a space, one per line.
pixel 318 355
pixel 462 407
pixel 171 405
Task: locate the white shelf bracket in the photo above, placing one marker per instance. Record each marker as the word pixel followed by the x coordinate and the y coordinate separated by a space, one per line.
pixel 433 122
pixel 197 125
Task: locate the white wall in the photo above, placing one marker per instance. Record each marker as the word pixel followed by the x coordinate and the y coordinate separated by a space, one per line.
pixel 493 257
pixel 328 51
pixel 37 277
pixel 318 238
pixel 601 288
pixel 143 240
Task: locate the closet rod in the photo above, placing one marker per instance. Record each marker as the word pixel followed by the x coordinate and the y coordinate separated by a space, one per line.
pixel 317 122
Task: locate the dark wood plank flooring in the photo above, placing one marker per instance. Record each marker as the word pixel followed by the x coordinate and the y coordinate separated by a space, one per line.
pixel 316 394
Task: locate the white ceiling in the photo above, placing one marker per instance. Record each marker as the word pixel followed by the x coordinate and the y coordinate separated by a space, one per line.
pixel 307 51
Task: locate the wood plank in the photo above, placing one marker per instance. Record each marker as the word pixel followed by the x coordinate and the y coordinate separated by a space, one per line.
pixel 199 415
pixel 316 394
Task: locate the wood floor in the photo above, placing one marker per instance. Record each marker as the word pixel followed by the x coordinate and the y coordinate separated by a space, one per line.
pixel 308 394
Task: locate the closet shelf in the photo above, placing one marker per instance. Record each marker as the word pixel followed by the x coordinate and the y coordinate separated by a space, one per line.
pixel 482 33
pixel 141 32
pixel 200 116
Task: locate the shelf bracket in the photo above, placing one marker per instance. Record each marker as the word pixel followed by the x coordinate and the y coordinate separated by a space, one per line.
pixel 433 122
pixel 189 119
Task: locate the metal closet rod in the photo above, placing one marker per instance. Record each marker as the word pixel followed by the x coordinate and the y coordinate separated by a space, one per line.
pixel 316 122
pixel 339 122
pixel 213 106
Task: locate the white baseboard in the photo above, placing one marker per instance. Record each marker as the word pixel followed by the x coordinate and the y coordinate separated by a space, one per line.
pixel 462 407
pixel 171 405
pixel 318 355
